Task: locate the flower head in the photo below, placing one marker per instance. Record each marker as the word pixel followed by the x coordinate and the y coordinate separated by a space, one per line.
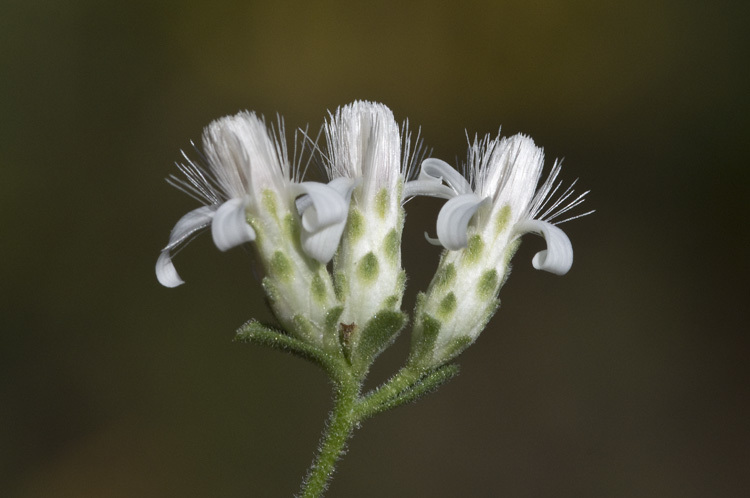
pixel 224 187
pixel 480 225
pixel 364 148
pixel 342 320
pixel 245 164
pixel 251 192
pixel 503 175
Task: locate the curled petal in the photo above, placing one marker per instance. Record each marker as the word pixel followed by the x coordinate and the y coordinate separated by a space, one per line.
pixel 558 257
pixel 437 169
pixel 321 243
pixel 433 188
pixel 303 203
pixel 229 227
pixel 322 205
pixel 344 186
pixel 430 182
pixel 453 220
pixel 195 220
pixel 166 273
pixel 432 240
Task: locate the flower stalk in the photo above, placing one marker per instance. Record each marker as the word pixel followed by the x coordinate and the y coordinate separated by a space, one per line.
pixel 350 409
pixel 341 424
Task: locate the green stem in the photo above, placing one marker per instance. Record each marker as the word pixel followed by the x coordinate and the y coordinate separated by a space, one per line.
pixel 405 387
pixel 342 421
pixel 381 396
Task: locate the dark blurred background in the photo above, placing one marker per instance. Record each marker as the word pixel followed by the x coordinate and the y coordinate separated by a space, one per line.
pixel 626 378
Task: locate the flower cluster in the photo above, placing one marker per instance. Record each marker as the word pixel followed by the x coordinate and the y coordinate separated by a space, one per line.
pixel 331 252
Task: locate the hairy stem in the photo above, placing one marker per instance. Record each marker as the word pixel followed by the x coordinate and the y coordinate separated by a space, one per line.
pixel 405 387
pixel 373 401
pixel 341 423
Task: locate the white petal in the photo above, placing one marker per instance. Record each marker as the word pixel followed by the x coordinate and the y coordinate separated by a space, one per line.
pixel 430 182
pixel 558 258
pixel 432 188
pixel 344 186
pixel 437 169
pixel 321 245
pixel 453 220
pixel 229 227
pixel 321 207
pixel 303 202
pixel 320 242
pixel 189 224
pixel 432 240
pixel 166 273
pixel 193 221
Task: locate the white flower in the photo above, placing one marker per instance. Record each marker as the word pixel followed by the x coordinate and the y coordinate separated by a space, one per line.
pixel 364 148
pixel 364 159
pixel 503 177
pixel 244 163
pixel 481 225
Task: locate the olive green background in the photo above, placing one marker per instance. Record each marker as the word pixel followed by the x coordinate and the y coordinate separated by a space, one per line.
pixel 626 378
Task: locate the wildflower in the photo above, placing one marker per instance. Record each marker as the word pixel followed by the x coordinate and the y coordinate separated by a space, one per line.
pixel 249 190
pixel 364 145
pixel 481 225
